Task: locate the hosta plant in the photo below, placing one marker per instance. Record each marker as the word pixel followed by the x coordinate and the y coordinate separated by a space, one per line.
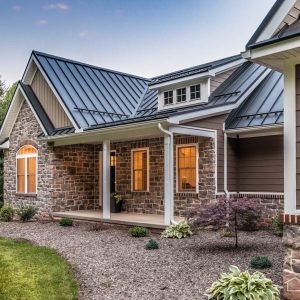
pixel 237 285
pixel 180 230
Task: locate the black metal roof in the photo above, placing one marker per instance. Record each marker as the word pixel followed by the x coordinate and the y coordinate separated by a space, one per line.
pixel 194 70
pixel 263 107
pixel 264 23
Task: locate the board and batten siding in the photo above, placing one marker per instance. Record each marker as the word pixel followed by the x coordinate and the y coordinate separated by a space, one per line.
pixel 49 102
pixel 220 78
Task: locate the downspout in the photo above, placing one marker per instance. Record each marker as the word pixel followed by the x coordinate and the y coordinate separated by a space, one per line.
pixel 225 178
pixel 171 169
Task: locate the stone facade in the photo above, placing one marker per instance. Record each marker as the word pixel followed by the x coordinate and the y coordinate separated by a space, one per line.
pixel 68 176
pixel 291 267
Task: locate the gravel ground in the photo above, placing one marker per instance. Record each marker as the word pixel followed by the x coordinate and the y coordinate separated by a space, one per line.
pixel 109 264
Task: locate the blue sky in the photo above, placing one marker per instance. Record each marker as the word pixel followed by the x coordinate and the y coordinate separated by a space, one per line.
pixel 142 37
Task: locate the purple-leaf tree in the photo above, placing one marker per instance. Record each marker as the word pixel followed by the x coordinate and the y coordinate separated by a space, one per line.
pixel 233 213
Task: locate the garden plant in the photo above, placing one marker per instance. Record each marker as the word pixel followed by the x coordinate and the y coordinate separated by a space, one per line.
pixel 138 231
pixel 180 230
pixel 26 213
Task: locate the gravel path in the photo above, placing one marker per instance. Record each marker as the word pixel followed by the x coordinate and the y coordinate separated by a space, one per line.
pixel 109 264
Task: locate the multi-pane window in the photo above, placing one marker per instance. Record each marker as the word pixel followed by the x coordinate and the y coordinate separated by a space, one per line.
pixel 181 95
pixel 26 170
pixel 195 92
pixel 187 168
pixel 168 97
pixel 140 170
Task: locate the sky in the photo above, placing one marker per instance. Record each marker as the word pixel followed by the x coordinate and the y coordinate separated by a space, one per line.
pixel 141 37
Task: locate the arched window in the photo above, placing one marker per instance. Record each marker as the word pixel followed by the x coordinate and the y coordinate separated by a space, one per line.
pixel 26 170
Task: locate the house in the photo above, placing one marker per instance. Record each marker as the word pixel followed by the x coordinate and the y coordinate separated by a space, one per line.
pixel 75 133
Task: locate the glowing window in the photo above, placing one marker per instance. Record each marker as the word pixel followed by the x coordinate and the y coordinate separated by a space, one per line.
pixel 187 168
pixel 140 170
pixel 26 170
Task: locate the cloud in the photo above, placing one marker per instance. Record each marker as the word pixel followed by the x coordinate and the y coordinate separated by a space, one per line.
pixel 57 6
pixel 86 34
pixel 16 8
pixel 41 22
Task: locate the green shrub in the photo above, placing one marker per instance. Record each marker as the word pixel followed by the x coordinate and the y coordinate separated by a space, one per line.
pixel 26 213
pixel 243 285
pixel 228 233
pixel 152 244
pixel 260 262
pixel 138 231
pixel 66 222
pixel 277 226
pixel 7 213
pixel 180 230
pixel 1 204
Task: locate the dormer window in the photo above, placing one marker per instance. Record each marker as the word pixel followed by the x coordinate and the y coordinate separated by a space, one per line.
pixel 181 95
pixel 195 91
pixel 168 97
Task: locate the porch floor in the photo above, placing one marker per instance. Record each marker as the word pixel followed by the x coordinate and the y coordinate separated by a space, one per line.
pixel 124 218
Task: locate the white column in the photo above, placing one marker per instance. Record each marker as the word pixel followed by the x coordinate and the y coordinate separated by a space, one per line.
pixel 106 179
pixel 168 179
pixel 290 139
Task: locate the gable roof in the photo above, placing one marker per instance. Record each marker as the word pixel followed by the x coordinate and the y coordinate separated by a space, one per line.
pixel 279 24
pixel 194 70
pixel 263 107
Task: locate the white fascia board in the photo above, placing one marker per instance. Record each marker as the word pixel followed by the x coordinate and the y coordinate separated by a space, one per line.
pixel 53 90
pixel 276 20
pixel 195 131
pixel 205 113
pixel 256 131
pixel 278 47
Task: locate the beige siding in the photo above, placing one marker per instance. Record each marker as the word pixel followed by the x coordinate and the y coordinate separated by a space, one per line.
pixel 220 78
pixel 49 102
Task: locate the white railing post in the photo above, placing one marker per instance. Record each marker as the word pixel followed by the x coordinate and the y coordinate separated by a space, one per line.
pixel 106 179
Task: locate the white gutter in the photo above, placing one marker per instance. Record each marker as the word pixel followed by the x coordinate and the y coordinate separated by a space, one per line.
pixel 225 167
pixel 169 177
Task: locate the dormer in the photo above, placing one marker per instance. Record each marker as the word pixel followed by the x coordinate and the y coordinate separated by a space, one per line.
pixel 192 86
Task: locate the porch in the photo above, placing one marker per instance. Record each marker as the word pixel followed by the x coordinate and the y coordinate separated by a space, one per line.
pixel 124 218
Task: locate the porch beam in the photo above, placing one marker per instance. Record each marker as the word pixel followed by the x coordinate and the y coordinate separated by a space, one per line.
pixel 187 130
pixel 106 179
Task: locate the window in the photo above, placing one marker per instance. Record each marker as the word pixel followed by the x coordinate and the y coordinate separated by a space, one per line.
pixel 187 168
pixel 181 95
pixel 26 170
pixel 195 92
pixel 168 97
pixel 140 170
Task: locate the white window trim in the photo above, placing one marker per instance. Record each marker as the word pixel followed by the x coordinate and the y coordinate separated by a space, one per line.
pixel 197 169
pixel 187 98
pixel 25 156
pixel 148 169
pixel 163 96
pixel 196 99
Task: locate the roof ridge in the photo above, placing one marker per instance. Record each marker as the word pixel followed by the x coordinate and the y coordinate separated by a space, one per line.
pixel 35 52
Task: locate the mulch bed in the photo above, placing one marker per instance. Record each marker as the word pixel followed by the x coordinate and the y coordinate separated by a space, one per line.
pixel 109 264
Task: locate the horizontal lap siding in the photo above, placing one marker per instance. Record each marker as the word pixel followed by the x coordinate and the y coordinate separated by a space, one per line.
pixel 49 102
pixel 215 123
pixel 220 78
pixel 260 164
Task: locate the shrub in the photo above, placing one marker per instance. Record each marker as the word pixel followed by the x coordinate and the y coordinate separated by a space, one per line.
pixel 180 230
pixel 1 204
pixel 66 222
pixel 277 226
pixel 152 244
pixel 243 285
pixel 237 213
pixel 7 213
pixel 26 213
pixel 260 262
pixel 138 231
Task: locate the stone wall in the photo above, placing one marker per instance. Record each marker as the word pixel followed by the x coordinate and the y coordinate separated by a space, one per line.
pixel 291 266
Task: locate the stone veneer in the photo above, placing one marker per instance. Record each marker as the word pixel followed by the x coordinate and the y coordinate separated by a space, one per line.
pixel 68 176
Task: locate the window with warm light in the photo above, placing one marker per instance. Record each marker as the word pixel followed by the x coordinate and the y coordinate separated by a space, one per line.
pixel 113 159
pixel 187 168
pixel 140 170
pixel 26 170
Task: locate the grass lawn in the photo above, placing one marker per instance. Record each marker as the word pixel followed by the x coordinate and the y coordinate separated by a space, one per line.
pixel 31 272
